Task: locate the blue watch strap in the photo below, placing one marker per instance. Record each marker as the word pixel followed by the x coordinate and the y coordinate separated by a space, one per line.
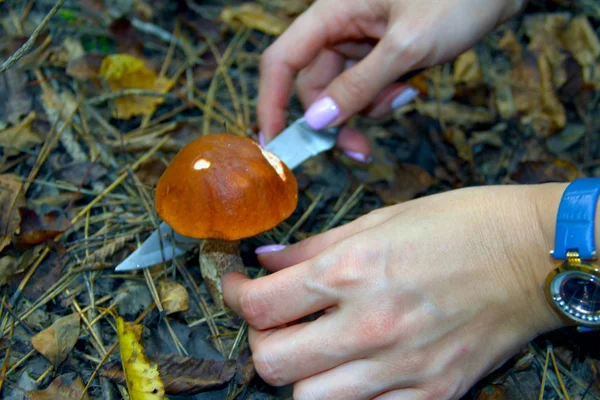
pixel 575 220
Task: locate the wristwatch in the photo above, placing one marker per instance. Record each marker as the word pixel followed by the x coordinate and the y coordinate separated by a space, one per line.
pixel 573 287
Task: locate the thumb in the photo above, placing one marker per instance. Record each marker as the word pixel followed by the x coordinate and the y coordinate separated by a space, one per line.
pixel 357 87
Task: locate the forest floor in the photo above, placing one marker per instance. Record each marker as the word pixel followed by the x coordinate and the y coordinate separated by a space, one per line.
pixel 83 147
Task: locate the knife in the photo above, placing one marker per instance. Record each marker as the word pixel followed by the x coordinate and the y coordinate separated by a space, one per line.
pixel 297 143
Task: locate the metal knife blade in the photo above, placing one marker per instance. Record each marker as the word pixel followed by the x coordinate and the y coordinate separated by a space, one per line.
pixel 297 143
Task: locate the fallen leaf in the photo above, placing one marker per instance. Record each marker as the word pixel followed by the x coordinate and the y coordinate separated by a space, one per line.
pixel 141 374
pixel 125 36
pixel 565 139
pixel 458 138
pixel 81 173
pixel 11 199
pixel 173 296
pixel 409 181
pixel 56 341
pixel 9 266
pixel 123 71
pixel 85 67
pixel 150 171
pixel 534 97
pixel 183 375
pixel 253 16
pixel 467 69
pixel 492 392
pixel 65 387
pixel 20 137
pixel 16 100
pixel 35 229
pixel 582 41
pixel 557 170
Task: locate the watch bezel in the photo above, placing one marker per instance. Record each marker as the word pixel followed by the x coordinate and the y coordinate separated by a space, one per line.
pixel 556 300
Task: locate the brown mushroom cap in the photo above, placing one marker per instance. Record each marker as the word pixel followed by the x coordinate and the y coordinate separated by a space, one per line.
pixel 225 187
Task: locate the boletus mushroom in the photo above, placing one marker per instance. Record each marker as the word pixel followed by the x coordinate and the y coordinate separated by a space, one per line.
pixel 220 189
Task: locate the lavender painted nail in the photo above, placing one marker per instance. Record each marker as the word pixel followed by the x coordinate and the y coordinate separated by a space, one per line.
pixel 405 97
pixel 357 156
pixel 322 113
pixel 269 248
pixel 261 138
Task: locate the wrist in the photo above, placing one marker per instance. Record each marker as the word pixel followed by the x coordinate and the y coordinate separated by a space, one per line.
pixel 548 199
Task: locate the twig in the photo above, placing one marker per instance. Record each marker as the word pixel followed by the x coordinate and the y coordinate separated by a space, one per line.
pixel 32 39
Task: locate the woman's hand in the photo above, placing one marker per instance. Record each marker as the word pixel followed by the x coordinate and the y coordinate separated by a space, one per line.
pixel 380 41
pixel 421 299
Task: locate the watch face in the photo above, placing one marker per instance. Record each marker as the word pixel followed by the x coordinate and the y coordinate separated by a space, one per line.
pixel 577 294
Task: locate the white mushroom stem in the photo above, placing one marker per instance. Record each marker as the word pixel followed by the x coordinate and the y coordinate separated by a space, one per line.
pixel 218 257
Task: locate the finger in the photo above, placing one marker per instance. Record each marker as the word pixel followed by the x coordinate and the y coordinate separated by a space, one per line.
pixel 356 88
pixel 403 394
pixel 275 258
pixel 354 380
pixel 307 36
pixel 324 24
pixel 287 355
pixel 275 299
pixel 354 144
pixel 394 96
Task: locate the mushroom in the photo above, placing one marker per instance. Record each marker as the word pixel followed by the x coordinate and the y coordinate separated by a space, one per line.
pixel 220 189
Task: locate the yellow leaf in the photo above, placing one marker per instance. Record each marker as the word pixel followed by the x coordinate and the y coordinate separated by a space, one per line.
pixel 173 296
pixel 253 16
pixel 11 198
pixel 142 376
pixel 467 69
pixel 56 341
pixel 19 137
pixel 123 71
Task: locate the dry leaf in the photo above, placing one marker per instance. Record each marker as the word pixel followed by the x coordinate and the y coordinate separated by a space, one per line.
pixel 581 40
pixel 16 100
pixel 56 341
pixel 65 387
pixel 173 296
pixel 253 16
pixel 467 69
pixel 540 172
pixel 85 67
pixel 183 375
pixel 35 229
pixel 492 392
pixel 459 140
pixel 123 71
pixel 409 181
pixel 9 266
pixel 141 375
pixel 11 199
pixel 534 97
pixel 20 137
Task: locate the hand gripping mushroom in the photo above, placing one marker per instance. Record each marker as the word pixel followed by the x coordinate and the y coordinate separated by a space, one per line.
pixel 222 188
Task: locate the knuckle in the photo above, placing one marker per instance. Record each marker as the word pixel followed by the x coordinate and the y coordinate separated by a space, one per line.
pixel 354 84
pixel 409 49
pixel 268 366
pixel 379 330
pixel 253 308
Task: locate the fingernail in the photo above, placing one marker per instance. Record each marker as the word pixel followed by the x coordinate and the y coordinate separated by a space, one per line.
pixel 405 97
pixel 356 156
pixel 261 138
pixel 269 248
pixel 321 113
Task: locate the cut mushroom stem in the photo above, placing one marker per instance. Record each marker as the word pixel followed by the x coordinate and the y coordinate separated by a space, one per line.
pixel 217 258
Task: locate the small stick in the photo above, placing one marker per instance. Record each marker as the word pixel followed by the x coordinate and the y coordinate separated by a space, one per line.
pixel 31 41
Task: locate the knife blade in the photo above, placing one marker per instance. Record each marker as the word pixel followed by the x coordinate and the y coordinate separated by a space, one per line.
pixel 296 144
